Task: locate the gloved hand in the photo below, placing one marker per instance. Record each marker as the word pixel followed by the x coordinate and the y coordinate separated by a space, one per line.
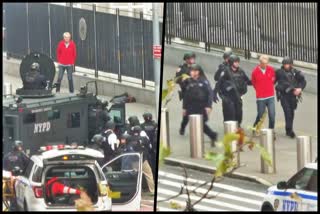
pixel 215 98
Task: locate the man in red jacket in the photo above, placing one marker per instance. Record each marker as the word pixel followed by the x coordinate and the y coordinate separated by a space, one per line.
pixel 66 56
pixel 263 79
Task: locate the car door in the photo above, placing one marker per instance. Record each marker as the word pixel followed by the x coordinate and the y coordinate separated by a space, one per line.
pixel 124 176
pixel 23 182
pixel 301 194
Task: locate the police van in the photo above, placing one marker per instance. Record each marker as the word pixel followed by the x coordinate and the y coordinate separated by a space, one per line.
pixel 39 117
pixel 299 193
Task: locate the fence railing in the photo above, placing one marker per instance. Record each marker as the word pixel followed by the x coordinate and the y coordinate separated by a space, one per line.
pixel 107 42
pixel 278 29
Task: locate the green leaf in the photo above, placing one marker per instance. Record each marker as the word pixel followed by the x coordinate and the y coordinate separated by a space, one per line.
pixel 215 157
pixel 174 205
pixel 163 153
pixel 164 94
pixel 264 154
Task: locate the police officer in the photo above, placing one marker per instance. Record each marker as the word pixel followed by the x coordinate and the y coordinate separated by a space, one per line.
pixel 97 143
pixel 189 59
pixel 134 121
pixel 289 85
pixel 111 141
pixel 232 85
pixel 151 129
pixel 15 161
pixel 197 100
pixel 142 144
pixel 222 66
pixel 98 117
pixel 34 79
pixel 16 158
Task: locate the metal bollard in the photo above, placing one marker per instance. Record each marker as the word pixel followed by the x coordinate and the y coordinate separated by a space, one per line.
pixel 231 127
pixel 164 128
pixel 196 136
pixel 7 89
pixel 267 141
pixel 304 151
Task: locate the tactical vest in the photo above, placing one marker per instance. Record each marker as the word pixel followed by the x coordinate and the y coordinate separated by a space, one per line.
pixel 196 91
pixel 239 81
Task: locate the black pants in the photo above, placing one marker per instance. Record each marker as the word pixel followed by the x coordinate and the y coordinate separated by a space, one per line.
pixel 232 110
pixel 206 129
pixel 289 104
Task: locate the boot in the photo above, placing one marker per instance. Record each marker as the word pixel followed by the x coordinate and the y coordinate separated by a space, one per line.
pixel 181 131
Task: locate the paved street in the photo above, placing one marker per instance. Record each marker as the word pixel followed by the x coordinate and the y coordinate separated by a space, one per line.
pixel 305 124
pixel 232 194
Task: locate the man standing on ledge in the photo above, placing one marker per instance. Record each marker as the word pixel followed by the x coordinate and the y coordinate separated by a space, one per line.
pixel 66 56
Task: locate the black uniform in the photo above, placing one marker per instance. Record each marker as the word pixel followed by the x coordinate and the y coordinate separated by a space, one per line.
pixel 198 96
pixel 221 68
pixel 286 82
pixel 184 69
pixel 15 159
pixel 231 86
pixel 97 120
pixel 35 80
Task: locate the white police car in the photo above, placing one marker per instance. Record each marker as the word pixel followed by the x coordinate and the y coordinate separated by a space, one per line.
pixel 299 193
pixel 73 169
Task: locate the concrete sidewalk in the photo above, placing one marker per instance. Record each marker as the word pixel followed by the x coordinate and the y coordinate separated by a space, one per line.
pixel 286 157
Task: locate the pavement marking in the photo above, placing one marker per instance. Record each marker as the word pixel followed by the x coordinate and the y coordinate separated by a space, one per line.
pixel 209 201
pixel 167 209
pixel 197 206
pixel 211 193
pixel 219 185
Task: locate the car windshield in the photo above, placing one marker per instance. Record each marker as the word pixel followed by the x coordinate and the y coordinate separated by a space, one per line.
pixel 306 179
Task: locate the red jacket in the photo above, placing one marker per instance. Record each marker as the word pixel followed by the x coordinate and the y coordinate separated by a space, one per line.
pixel 66 55
pixel 263 83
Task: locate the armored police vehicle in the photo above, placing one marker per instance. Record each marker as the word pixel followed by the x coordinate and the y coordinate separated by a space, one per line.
pixel 39 117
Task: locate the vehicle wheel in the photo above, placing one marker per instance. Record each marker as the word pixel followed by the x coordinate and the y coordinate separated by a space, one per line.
pixel 267 208
pixel 25 207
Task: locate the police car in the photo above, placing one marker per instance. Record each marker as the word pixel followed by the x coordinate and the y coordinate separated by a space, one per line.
pixel 54 179
pixel 299 193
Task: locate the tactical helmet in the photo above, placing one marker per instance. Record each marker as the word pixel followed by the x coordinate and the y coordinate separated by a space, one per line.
pixel 35 66
pixel 110 125
pixel 97 138
pixel 227 54
pixel 136 130
pixel 147 116
pixel 124 136
pixel 287 60
pixel 189 55
pixel 133 121
pixel 197 68
pixel 233 58
pixel 17 144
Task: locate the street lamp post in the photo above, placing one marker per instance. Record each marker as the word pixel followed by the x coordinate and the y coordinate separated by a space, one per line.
pixel 156 62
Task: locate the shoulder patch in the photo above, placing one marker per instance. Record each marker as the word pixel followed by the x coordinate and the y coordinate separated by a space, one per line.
pixel 178 70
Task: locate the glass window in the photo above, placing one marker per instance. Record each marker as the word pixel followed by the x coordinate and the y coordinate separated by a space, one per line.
pixel 73 120
pixel 29 118
pixel 36 177
pixel 9 120
pixel 28 169
pixel 306 179
pixel 126 162
pixel 53 114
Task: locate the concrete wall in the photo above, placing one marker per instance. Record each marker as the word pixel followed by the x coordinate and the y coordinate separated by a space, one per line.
pixel 209 61
pixel 107 86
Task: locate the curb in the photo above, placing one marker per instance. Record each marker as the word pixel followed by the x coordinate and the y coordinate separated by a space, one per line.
pixel 208 169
